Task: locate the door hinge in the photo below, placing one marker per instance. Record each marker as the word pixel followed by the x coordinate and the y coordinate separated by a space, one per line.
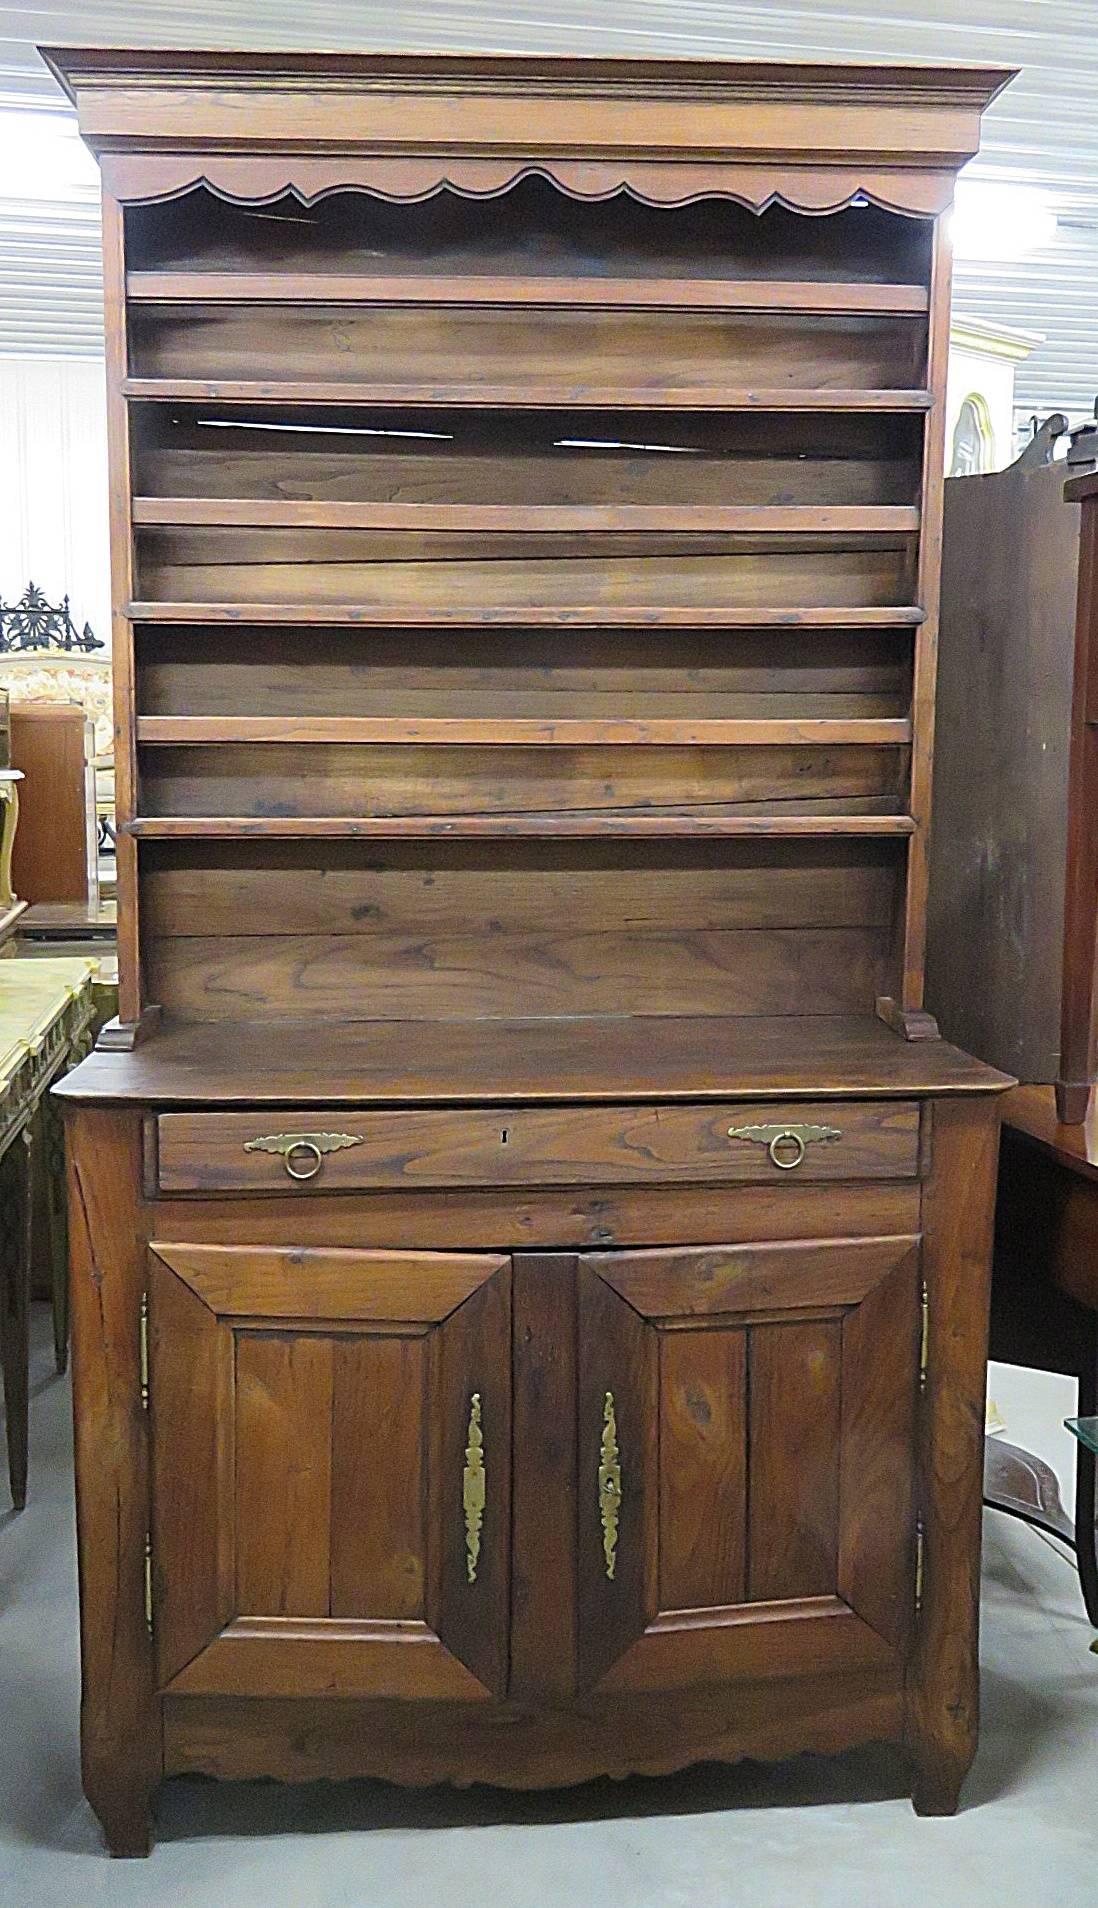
pixel 144 1350
pixel 924 1338
pixel 149 1582
pixel 920 1557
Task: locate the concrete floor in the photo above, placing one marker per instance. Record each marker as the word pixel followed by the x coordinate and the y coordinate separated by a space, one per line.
pixel 809 1834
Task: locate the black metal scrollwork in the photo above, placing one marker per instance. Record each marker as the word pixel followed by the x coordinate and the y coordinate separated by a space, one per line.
pixel 32 623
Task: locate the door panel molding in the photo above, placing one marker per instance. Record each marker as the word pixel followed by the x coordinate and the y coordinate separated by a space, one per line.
pixel 737 1280
pixel 746 1641
pixel 327 1656
pixel 327 1285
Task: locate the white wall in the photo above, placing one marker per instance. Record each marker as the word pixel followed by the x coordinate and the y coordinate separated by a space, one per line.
pixel 53 484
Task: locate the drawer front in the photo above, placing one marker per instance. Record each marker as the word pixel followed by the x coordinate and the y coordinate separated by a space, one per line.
pixel 340 1151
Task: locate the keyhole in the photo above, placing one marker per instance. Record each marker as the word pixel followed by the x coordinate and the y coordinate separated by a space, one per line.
pixel 504 1136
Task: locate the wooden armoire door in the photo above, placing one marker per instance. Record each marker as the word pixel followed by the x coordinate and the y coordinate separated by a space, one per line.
pixel 331 1454
pixel 745 1447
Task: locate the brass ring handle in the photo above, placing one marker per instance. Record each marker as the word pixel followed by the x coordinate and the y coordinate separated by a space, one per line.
pixel 313 1154
pixel 786 1139
pixel 778 1139
pixel 312 1145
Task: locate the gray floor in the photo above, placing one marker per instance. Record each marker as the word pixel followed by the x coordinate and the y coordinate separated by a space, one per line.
pixel 811 1834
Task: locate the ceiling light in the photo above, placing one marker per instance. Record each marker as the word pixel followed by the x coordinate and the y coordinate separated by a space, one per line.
pixel 995 220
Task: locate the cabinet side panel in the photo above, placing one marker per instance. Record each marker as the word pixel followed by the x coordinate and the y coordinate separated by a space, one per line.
pixel 130 989
pixel 119 1718
pixel 943 1686
pixel 926 639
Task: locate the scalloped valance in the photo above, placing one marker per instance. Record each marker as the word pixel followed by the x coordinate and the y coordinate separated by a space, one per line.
pixel 145 178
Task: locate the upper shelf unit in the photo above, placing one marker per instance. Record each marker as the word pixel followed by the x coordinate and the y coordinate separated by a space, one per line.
pixel 533 231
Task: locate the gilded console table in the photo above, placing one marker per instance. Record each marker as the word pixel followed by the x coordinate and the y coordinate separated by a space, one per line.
pixel 47 1011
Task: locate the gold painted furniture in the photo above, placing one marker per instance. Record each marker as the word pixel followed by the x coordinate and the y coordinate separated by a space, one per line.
pixel 46 1025
pixel 530 1247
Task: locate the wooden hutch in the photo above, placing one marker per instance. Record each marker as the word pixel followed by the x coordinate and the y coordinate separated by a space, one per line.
pixel 529 1245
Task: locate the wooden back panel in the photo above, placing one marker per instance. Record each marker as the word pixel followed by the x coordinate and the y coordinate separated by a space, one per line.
pixel 400 931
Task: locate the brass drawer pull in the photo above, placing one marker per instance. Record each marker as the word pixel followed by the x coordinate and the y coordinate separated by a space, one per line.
pixel 312 1146
pixel 776 1138
pixel 609 1484
pixel 473 1488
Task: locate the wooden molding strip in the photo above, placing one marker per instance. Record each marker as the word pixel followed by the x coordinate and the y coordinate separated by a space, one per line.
pixel 502 827
pixel 521 732
pixel 319 514
pixel 601 294
pixel 523 397
pixel 586 616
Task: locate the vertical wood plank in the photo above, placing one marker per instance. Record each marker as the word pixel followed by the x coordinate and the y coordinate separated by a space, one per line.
pixel 543 1589
pixel 617 1354
pixel 703 1468
pixel 119 1717
pixel 1077 996
pixel 190 1386
pixel 880 1363
pixel 130 986
pixel 793 1517
pixel 926 636
pixel 475 1359
pixel 377 1523
pixel 283 1474
pixel 943 1680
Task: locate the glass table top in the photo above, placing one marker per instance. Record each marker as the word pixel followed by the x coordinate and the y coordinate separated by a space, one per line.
pixel 1086 1430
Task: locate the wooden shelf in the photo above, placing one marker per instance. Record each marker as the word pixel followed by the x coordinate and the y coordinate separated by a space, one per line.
pixel 580 825
pixel 520 732
pixel 584 616
pixel 317 514
pixel 593 1058
pixel 521 397
pixel 603 294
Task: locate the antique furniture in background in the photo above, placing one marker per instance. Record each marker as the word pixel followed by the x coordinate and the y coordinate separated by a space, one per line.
pixel 56 847
pixel 46 1025
pixel 11 908
pixel 530 1246
pixel 45 659
pixel 1044 1311
pixel 1014 856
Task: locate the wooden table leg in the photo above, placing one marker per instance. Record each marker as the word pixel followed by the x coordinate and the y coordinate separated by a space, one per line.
pixel 1086 1466
pixel 15 1271
pixel 57 1230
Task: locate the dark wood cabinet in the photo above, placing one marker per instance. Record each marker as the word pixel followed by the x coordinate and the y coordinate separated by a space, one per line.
pixel 530 1244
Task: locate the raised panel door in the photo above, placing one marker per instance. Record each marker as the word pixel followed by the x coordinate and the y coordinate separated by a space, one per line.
pixel 744 1457
pixel 331 1455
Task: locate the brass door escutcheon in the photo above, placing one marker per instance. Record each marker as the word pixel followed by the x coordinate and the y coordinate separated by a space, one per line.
pixel 609 1484
pixel 312 1145
pixel 473 1488
pixel 775 1137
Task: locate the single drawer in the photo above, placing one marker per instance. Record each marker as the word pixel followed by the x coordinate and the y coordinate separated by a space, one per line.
pixel 340 1151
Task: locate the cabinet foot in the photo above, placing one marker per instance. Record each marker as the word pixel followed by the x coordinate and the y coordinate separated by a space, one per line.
pixel 127 1823
pixel 936 1787
pixel 1072 1101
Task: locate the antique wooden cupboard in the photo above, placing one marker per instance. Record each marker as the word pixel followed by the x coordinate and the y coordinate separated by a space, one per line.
pixel 1013 914
pixel 530 1246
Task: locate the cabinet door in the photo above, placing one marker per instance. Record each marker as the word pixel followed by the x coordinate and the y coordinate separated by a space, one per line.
pixel 331 1450
pixel 745 1460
